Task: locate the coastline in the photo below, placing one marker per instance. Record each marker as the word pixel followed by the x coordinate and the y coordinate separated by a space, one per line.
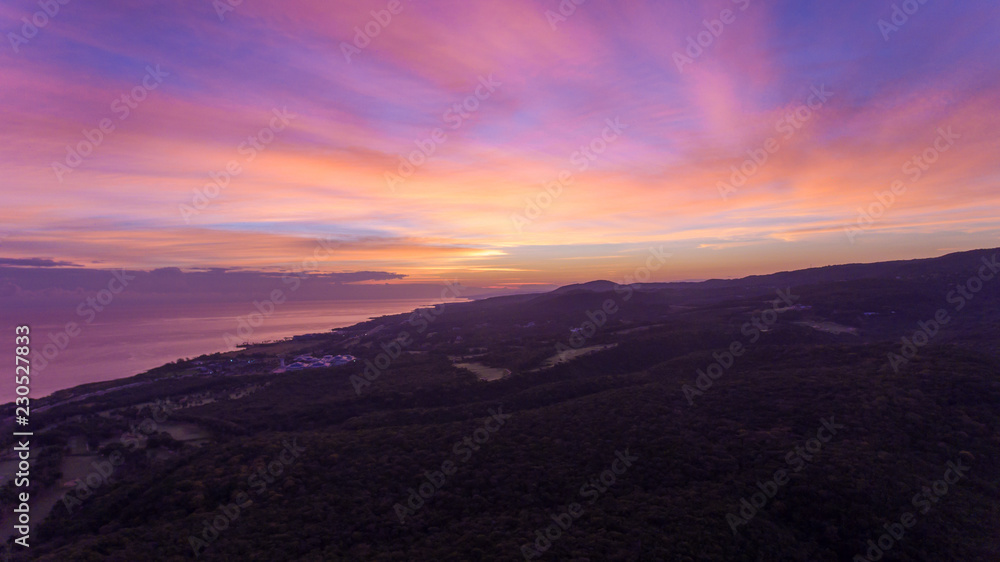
pixel 208 340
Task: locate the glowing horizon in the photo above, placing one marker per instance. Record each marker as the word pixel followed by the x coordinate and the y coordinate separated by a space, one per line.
pixel 612 118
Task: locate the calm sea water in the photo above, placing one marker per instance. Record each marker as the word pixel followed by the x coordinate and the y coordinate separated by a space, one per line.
pixel 122 343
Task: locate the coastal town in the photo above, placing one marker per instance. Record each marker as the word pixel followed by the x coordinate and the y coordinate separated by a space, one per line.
pixel 309 362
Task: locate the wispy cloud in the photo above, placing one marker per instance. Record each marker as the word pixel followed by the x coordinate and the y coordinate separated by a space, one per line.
pixel 35 262
pixel 325 174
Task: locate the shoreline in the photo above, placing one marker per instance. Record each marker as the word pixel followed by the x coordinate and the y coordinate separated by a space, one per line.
pixel 82 390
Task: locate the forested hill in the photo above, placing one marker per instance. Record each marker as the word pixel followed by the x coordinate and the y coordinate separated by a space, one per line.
pixel 816 415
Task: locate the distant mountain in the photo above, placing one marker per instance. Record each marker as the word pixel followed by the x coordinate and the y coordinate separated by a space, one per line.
pixel 902 269
pixel 593 293
pixel 593 286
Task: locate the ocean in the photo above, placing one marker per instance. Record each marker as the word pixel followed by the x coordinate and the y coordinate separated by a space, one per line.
pixel 126 341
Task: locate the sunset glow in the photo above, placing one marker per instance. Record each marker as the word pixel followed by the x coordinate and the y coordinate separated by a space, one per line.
pixel 563 146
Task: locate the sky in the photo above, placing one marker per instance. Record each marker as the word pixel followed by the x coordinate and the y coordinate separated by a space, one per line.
pixel 505 144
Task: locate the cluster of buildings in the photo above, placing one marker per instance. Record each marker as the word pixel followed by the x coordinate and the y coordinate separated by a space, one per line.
pixel 222 366
pixel 310 362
